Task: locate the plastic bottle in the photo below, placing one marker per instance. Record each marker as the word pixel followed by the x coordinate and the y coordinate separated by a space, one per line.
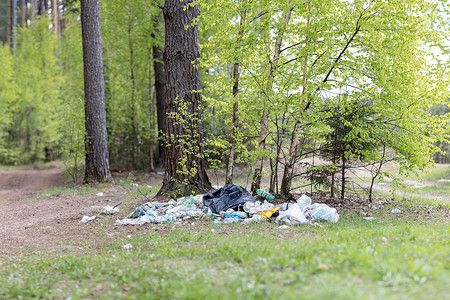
pixel 228 215
pixel 265 195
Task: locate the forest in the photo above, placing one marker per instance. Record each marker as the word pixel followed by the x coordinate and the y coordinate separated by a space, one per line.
pixel 299 93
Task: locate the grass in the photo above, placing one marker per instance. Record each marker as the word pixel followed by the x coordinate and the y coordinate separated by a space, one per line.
pixel 391 257
pixel 36 165
pixel 437 173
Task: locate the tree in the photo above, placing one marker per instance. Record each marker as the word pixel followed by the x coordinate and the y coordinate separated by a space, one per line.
pixel 96 140
pixel 184 161
pixel 160 90
pixel 305 52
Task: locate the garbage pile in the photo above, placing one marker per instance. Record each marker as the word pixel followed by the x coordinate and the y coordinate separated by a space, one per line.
pixel 231 204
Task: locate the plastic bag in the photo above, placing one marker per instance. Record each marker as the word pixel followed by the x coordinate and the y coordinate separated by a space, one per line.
pixel 292 216
pixel 109 210
pixel 320 211
pixel 303 201
pixel 254 219
pixel 253 208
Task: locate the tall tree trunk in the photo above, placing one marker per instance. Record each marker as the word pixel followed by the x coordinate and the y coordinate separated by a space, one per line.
pixel 8 24
pixel 343 175
pixel 56 17
pixel 160 90
pixel 13 22
pixel 234 132
pixel 96 141
pixel 256 182
pixel 333 175
pixel 41 6
pixel 23 13
pixel 32 10
pixel 184 161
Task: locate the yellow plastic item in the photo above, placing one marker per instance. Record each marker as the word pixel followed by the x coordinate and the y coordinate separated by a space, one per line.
pixel 266 214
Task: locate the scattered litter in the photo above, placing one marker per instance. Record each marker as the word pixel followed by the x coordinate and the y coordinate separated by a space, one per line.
pixel 257 207
pixel 160 172
pixel 396 211
pixel 382 183
pixel 134 184
pixel 127 246
pixel 99 194
pixel 419 186
pixel 368 218
pixel 444 180
pixel 230 204
pixel 283 227
pixel 265 195
pixel 268 213
pixel 365 214
pixel 231 216
pixel 231 220
pixel 254 219
pixel 292 216
pixel 110 210
pixel 128 236
pixel 86 219
pixel 322 212
pixel 139 221
pixel 315 224
pixel 323 267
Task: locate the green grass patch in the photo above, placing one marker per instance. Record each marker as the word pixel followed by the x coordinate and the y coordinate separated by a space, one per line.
pixel 437 173
pixel 36 165
pixel 386 258
pixel 68 190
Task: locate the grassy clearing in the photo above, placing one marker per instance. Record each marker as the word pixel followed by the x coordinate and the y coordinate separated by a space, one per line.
pixel 392 257
pixel 36 165
pixel 437 173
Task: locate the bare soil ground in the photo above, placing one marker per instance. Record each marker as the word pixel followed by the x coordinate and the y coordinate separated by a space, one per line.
pixel 29 221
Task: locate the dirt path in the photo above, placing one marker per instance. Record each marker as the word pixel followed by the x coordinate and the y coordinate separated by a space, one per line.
pixel 46 223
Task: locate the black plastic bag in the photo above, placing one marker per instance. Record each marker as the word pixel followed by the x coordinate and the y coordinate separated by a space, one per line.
pixel 228 196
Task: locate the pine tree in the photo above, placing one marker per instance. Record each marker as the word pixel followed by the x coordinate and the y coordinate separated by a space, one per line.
pixel 96 141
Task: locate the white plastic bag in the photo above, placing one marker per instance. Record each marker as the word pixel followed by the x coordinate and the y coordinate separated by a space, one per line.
pixel 253 208
pixel 254 219
pixel 303 201
pixel 292 216
pixel 320 211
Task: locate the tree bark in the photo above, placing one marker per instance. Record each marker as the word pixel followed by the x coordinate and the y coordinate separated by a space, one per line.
pixel 13 22
pixel 8 24
pixel 56 17
pixel 184 161
pixel 343 174
pixel 256 182
pixel 23 13
pixel 41 6
pixel 160 90
pixel 96 140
